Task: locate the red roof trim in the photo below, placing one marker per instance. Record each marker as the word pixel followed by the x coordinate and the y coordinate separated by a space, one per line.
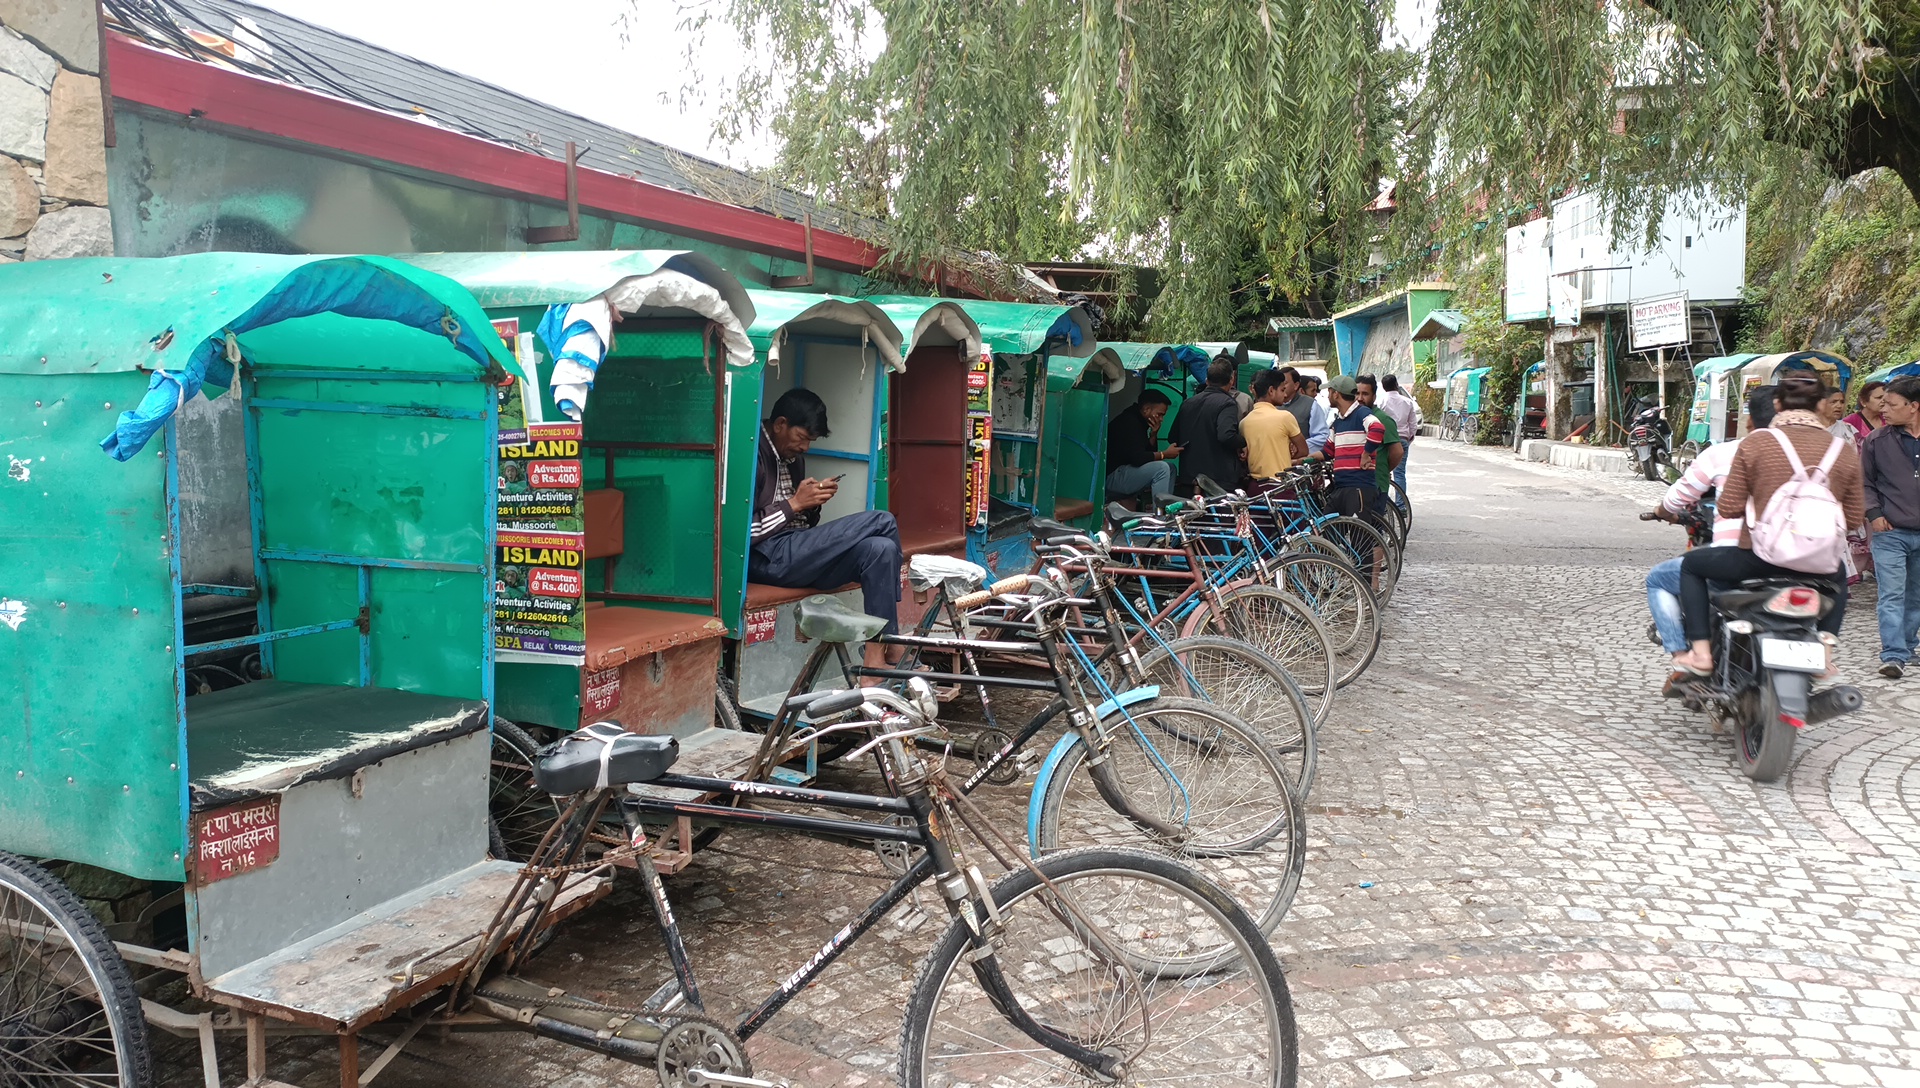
pixel 173 84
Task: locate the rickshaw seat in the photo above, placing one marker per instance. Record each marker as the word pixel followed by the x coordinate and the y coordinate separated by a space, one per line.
pixel 1071 509
pixel 271 735
pixel 761 596
pixel 931 542
pixel 826 619
pixel 617 634
pixel 601 755
pixel 606 522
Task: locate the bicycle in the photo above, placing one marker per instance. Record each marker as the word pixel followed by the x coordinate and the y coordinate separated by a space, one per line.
pixel 1107 964
pixel 1135 767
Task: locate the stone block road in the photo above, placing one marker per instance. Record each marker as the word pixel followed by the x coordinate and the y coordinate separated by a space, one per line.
pixel 1525 867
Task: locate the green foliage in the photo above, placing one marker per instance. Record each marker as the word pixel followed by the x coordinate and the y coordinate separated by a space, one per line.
pixel 1486 336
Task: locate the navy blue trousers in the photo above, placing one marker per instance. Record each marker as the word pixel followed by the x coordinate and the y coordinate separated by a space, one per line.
pixel 863 547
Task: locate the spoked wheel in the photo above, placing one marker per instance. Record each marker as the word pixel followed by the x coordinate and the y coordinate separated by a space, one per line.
pixel 69 1014
pixel 1077 954
pixel 1344 605
pixel 1237 677
pixel 1199 771
pixel 1284 628
pixel 1400 513
pixel 519 812
pixel 1369 551
pixel 1763 742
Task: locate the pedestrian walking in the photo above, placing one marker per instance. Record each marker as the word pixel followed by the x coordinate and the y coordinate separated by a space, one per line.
pixel 1890 467
pixel 1207 430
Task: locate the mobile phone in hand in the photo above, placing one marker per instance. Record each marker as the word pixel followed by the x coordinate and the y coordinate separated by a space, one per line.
pixel 836 479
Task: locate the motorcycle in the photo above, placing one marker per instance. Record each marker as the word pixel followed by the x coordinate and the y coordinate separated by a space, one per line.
pixel 1767 654
pixel 1651 439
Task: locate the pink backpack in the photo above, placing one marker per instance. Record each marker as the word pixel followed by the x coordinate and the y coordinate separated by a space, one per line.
pixel 1804 527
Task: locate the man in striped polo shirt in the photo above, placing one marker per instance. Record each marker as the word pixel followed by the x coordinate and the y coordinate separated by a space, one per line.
pixel 1352 446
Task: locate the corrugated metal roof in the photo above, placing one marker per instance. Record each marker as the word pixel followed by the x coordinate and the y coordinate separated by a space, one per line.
pixel 281 47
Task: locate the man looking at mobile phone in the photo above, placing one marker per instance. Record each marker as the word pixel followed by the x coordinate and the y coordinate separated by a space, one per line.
pixel 791 548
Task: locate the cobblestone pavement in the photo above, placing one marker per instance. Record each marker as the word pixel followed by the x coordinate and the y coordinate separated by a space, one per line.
pixel 1525 868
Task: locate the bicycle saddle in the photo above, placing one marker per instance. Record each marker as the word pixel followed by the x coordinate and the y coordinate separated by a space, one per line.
pixel 1205 484
pixel 1169 504
pixel 1049 531
pixel 928 571
pixel 601 756
pixel 1119 515
pixel 828 620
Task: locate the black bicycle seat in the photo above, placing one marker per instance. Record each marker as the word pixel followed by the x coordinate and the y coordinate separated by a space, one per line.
pixel 1169 503
pixel 1049 531
pixel 1205 483
pixel 1120 515
pixel 826 619
pixel 578 763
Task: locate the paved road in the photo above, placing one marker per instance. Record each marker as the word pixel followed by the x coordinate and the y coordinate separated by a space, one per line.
pixel 1525 868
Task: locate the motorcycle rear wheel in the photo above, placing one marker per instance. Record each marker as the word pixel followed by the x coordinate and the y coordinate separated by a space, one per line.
pixel 1762 742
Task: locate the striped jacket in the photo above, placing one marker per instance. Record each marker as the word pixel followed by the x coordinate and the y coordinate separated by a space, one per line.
pixel 772 512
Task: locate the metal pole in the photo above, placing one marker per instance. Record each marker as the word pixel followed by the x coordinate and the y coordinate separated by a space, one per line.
pixel 1661 364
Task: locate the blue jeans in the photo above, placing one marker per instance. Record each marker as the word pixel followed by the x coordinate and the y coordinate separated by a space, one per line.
pixel 1663 600
pixel 1896 564
pixel 1130 480
pixel 1400 474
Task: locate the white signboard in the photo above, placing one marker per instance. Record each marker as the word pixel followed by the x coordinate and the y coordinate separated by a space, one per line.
pixel 1659 322
pixel 1566 301
pixel 1529 263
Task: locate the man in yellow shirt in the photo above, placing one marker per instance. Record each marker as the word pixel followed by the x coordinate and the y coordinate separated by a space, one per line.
pixel 1273 437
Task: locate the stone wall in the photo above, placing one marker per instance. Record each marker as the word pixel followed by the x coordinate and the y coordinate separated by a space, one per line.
pixel 53 156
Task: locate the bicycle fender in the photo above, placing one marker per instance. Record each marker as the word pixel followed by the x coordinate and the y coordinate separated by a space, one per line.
pixel 1065 745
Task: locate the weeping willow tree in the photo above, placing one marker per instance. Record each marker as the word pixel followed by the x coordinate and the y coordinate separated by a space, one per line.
pixel 1187 134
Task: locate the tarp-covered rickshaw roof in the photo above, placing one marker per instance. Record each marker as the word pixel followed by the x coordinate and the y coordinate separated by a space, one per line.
pixel 1134 355
pixel 1066 371
pixel 1720 365
pixel 1889 373
pixel 920 319
pixel 1803 360
pixel 1020 328
pixel 189 319
pixel 637 283
pixel 778 314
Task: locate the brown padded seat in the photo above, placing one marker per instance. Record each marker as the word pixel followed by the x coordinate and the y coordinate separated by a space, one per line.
pixel 932 542
pixel 606 522
pixel 764 596
pixel 1071 509
pixel 617 634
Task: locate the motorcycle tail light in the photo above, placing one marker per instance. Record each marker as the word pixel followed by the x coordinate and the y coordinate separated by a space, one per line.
pixel 1798 602
pixel 1797 723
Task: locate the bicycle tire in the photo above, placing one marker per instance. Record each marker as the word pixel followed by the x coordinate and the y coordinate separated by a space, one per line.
pixel 1283 627
pixel 69 1002
pixel 518 811
pixel 1233 1026
pixel 1368 550
pixel 1251 685
pixel 1207 772
pixel 1341 600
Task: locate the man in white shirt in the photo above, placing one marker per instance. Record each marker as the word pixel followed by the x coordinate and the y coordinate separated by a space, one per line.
pixel 1405 414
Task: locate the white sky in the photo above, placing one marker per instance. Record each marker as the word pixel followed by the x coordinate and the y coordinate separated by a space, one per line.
pixel 594 73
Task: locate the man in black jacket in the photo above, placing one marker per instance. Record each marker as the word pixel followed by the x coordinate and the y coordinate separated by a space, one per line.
pixel 790 546
pixel 1207 429
pixel 1135 461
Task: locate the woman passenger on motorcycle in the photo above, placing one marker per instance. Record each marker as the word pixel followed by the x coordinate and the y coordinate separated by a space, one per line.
pixel 1759 469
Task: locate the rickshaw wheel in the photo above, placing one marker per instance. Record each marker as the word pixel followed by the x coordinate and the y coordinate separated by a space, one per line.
pixel 518 811
pixel 68 1009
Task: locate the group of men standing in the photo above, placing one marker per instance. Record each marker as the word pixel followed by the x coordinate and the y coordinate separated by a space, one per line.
pixel 1364 429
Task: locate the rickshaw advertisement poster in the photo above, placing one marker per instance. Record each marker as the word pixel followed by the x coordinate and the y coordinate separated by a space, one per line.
pixel 234 840
pixel 515 412
pixel 539 599
pixel 540 589
pixel 979 459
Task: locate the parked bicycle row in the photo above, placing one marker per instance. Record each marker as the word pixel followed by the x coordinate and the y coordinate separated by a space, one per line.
pixel 414 552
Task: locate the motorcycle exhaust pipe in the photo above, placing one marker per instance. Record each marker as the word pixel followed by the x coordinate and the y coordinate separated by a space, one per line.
pixel 1833 702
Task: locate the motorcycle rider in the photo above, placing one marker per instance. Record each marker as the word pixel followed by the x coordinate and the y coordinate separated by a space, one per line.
pixel 1701 480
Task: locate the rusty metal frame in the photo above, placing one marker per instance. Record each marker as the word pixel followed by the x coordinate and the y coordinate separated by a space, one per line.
pixel 570 232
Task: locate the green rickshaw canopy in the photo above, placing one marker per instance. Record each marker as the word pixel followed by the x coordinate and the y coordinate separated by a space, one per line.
pixel 1896 370
pixel 190 319
pixel 780 313
pixel 1132 355
pixel 1020 328
pixel 919 318
pixel 1066 372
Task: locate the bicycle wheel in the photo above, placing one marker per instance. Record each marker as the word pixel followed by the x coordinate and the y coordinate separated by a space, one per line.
pixel 69 1013
pixel 1068 957
pixel 518 811
pixel 1283 627
pixel 1344 605
pixel 1251 685
pixel 1399 514
pixel 1200 771
pixel 1368 550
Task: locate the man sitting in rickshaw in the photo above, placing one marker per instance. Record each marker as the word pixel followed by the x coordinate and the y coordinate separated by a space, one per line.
pixel 791 548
